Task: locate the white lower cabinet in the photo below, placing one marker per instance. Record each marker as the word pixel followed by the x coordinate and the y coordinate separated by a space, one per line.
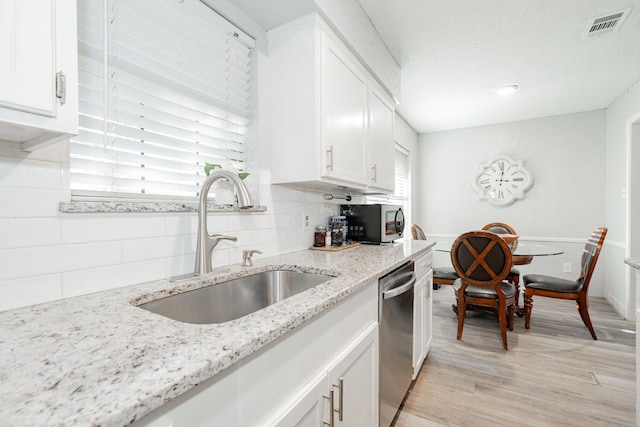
pixel 306 409
pixel 422 311
pixel 347 392
pixel 289 382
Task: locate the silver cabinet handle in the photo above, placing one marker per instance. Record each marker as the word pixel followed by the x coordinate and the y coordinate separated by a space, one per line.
pixel 375 173
pixel 340 385
pixel 331 422
pixel 61 87
pixel 330 158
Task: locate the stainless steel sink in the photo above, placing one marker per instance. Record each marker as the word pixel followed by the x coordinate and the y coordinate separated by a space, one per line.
pixel 235 298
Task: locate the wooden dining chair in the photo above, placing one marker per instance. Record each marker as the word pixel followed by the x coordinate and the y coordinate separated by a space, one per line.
pixel 555 287
pixel 441 275
pixel 482 261
pixel 514 274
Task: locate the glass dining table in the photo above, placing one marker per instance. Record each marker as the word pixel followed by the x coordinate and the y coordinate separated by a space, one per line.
pixel 523 253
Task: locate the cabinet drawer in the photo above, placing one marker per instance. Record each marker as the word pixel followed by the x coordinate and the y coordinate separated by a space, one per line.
pixel 423 264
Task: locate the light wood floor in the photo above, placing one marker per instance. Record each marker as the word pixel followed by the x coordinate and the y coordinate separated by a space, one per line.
pixel 554 374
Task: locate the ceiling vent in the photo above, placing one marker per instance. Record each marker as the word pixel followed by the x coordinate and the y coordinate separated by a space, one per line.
pixel 604 25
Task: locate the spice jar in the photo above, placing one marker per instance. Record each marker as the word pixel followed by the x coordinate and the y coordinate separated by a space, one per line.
pixel 319 236
pixel 336 230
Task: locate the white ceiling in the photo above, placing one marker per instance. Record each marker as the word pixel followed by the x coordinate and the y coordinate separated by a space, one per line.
pixel 454 53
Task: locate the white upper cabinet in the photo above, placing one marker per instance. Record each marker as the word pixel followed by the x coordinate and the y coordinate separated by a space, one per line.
pixel 38 72
pixel 331 124
pixel 343 115
pixel 381 120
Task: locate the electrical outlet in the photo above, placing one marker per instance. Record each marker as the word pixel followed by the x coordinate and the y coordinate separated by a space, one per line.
pixel 566 267
pixel 306 222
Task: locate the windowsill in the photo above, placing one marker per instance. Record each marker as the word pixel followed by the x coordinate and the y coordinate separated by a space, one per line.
pixel 148 207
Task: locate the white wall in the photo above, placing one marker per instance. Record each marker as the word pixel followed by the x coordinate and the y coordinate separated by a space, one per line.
pixel 564 154
pixel 46 255
pixel 620 277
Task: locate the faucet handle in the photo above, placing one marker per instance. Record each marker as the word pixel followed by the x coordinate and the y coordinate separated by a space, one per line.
pixel 246 256
pixel 223 237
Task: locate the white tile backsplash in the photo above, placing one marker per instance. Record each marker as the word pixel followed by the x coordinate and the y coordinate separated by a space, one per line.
pixel 41 260
pixel 29 202
pixel 21 173
pixel 184 223
pixel 29 232
pixel 91 280
pixel 47 255
pixel 77 228
pixel 134 250
pixel 30 290
pixel 178 265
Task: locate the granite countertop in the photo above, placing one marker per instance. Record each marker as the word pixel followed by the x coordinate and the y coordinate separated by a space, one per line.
pixel 98 360
pixel 633 262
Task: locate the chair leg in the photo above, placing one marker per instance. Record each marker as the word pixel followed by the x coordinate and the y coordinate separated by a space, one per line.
pixel 512 309
pixel 502 316
pixel 528 305
pixel 462 310
pixel 583 309
pixel 516 281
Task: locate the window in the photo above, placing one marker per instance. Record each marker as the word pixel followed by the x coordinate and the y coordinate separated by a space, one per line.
pixel 166 91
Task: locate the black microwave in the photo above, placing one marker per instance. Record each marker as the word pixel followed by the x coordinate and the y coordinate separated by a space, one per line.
pixel 374 224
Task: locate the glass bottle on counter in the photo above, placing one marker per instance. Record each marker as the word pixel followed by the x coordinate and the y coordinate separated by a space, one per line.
pixel 336 230
pixel 319 236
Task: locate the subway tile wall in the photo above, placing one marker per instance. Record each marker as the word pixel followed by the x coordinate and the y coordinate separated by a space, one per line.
pixel 47 255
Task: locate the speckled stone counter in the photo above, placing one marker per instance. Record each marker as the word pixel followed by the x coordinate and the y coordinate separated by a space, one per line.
pixel 98 360
pixel 633 262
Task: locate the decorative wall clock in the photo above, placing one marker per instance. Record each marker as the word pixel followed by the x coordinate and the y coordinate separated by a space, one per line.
pixel 502 181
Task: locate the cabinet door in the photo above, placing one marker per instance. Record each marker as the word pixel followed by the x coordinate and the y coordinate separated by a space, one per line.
pixel 422 311
pixel 354 377
pixel 306 409
pixel 381 119
pixel 418 326
pixel 428 312
pixel 27 36
pixel 343 117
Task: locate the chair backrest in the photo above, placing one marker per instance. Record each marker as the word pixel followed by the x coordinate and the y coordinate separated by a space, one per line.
pixel 502 228
pixel 499 228
pixel 417 233
pixel 590 255
pixel 481 258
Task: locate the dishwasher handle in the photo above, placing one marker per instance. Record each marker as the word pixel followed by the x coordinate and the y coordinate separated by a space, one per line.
pixel 399 290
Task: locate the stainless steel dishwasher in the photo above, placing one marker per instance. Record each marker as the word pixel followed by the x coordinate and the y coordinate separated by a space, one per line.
pixel 395 309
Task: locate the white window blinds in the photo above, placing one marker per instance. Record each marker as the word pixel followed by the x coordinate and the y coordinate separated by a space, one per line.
pixel 166 91
pixel 401 192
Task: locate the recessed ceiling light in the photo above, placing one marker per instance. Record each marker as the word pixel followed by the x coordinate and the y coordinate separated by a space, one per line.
pixel 507 89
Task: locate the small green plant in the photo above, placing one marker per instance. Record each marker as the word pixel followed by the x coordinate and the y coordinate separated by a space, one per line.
pixel 208 167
